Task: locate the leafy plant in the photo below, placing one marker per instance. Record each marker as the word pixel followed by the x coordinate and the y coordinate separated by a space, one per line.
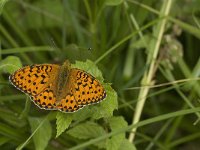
pixel 145 54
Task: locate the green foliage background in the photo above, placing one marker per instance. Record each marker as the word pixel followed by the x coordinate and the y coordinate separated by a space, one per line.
pixel 145 53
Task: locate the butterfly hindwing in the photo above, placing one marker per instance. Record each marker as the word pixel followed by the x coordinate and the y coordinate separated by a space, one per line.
pixel 68 104
pixel 46 99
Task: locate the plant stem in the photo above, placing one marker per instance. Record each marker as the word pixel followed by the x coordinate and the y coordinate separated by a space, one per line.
pixel 151 61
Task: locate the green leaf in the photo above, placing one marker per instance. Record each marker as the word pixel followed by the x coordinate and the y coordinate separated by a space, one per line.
pixel 127 145
pixel 113 2
pixel 63 120
pixel 10 64
pixel 82 114
pixel 11 119
pixel 86 130
pixel 43 134
pixel 89 67
pixel 4 140
pixel 117 123
pixel 114 142
pixel 2 4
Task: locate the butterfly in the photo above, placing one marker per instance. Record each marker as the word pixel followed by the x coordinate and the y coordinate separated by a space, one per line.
pixel 58 87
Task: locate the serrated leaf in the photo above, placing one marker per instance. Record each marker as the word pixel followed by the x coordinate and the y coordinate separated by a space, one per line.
pixel 101 144
pixel 117 123
pixel 127 145
pixel 10 64
pixel 87 130
pixel 89 67
pixel 114 142
pixel 63 120
pixel 113 2
pixel 43 134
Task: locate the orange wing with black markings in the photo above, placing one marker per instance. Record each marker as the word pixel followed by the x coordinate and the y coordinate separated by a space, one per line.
pixel 46 99
pixel 87 90
pixel 58 87
pixel 68 104
pixel 36 81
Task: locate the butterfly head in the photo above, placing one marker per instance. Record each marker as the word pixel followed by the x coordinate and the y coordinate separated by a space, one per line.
pixel 67 64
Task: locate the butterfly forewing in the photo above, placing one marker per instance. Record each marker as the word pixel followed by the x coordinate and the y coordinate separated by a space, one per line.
pixel 34 79
pixel 87 89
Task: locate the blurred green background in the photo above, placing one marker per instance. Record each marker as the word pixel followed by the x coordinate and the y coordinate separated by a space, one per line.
pixel 148 50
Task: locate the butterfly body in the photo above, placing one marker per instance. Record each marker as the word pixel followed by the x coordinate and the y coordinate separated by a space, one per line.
pixel 62 86
pixel 58 87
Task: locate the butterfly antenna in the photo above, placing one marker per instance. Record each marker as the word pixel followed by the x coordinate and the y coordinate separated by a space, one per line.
pixel 53 44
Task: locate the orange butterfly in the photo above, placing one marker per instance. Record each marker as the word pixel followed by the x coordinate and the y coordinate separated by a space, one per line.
pixel 56 87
